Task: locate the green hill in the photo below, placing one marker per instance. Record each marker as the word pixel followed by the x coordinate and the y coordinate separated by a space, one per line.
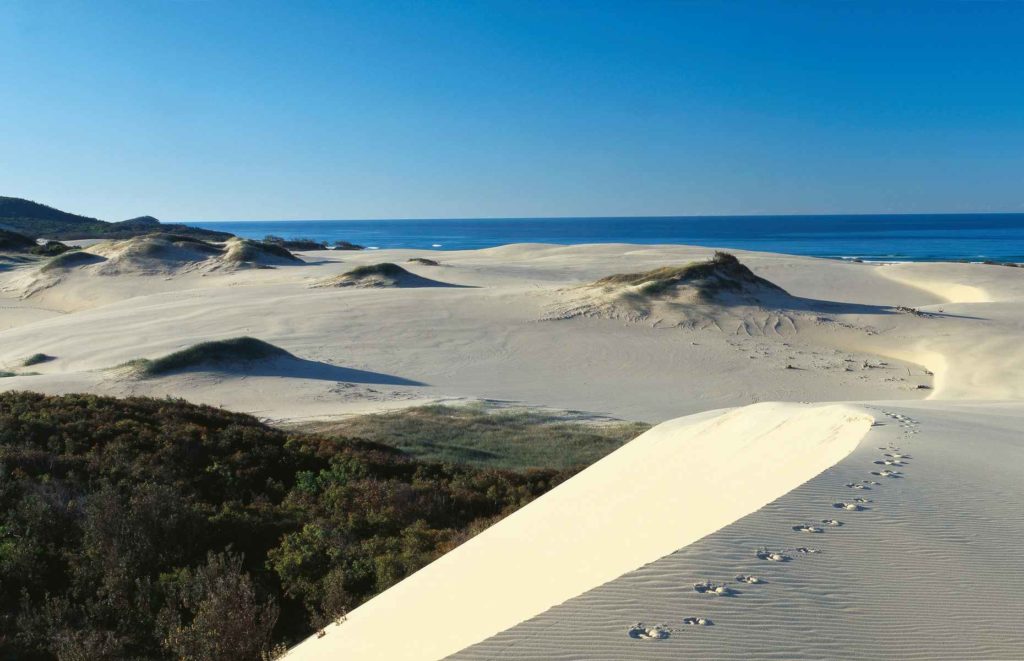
pixel 38 220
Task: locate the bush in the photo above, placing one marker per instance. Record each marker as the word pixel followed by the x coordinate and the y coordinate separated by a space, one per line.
pixel 145 528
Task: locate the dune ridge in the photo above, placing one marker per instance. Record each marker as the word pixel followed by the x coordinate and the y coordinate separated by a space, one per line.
pixel 636 505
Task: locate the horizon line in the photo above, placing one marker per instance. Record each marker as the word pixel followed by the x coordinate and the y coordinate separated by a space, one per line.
pixel 648 216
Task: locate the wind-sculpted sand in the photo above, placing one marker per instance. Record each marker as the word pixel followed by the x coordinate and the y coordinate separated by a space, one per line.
pixel 487 334
pixel 882 526
pixel 925 570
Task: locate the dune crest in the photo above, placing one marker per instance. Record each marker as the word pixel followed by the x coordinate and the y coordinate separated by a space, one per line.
pixel 636 505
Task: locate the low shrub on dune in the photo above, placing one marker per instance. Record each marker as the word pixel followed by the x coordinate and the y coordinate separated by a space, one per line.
pixel 217 352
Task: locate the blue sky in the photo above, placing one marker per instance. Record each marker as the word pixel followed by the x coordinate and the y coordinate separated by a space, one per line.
pixel 315 110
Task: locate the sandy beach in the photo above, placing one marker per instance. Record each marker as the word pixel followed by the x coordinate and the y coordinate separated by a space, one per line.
pixel 844 432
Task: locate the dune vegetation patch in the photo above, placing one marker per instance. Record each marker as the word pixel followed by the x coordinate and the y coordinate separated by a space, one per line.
pixel 380 275
pixel 36 359
pixel 720 292
pixel 172 254
pixel 72 260
pixel 487 436
pixel 206 354
pixel 722 273
pixel 14 242
pixel 424 261
pixel 247 251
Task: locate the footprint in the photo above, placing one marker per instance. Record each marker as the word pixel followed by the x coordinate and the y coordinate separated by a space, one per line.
pixel 859 487
pixel 719 590
pixel 890 462
pixel 808 528
pixel 697 621
pixel 849 507
pixel 774 556
pixel 753 580
pixel 805 550
pixel 887 473
pixel 832 522
pixel 641 631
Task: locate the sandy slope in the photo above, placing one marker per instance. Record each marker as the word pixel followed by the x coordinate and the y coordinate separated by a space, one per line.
pixel 642 502
pixel 926 570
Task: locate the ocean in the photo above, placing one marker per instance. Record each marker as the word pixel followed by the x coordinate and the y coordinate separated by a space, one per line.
pixel 925 237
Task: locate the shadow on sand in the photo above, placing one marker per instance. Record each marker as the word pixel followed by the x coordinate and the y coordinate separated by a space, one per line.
pixel 300 368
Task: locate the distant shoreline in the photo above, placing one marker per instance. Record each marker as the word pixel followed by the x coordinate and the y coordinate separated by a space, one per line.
pixel 874 238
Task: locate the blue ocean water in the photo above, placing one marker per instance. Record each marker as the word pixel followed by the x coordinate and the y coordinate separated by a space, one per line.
pixel 931 237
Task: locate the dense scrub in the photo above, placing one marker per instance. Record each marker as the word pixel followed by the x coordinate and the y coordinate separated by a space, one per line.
pixel 143 528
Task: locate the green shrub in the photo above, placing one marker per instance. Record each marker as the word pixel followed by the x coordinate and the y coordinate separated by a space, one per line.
pixel 158 529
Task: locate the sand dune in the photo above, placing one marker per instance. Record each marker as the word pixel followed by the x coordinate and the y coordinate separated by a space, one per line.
pixel 484 338
pixel 923 571
pixel 636 505
pixel 604 565
pixel 377 276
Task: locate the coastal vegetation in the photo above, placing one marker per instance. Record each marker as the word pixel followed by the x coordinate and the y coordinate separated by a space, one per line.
pixel 385 274
pixel 723 272
pixel 309 244
pixel 36 359
pixel 217 352
pixel 70 260
pixel 487 436
pixel 37 220
pixel 147 528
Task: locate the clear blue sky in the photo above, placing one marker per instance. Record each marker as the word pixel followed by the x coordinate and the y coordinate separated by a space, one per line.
pixel 271 110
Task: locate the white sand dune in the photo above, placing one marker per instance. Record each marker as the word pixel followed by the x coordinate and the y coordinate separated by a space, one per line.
pixel 636 505
pixel 925 570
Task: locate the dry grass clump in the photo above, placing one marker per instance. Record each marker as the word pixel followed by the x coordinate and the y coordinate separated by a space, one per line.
pixel 424 261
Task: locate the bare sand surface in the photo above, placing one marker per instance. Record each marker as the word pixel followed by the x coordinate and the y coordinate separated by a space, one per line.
pixel 498 336
pixel 604 566
pixel 925 569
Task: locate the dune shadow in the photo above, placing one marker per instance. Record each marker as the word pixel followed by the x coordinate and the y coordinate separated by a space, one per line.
pixel 300 368
pixel 820 306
